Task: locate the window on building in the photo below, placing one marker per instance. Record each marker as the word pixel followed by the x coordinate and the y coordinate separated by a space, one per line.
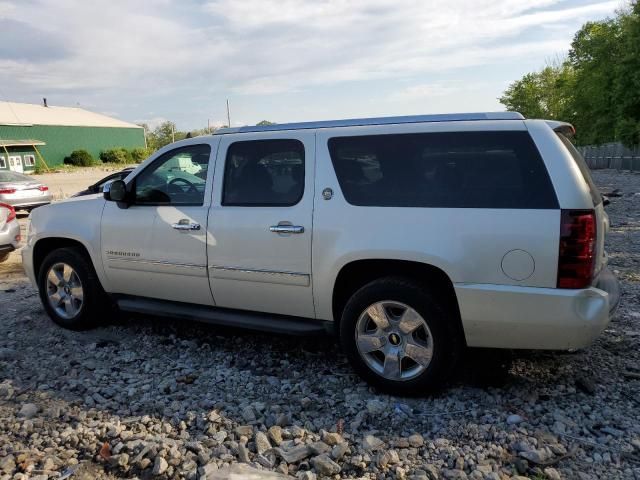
pixel 264 173
pixel 446 170
pixel 29 161
pixel 3 162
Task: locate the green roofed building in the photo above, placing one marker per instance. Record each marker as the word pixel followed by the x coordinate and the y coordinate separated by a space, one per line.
pixel 31 133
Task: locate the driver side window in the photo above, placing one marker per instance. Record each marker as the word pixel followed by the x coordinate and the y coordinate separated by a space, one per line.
pixel 176 178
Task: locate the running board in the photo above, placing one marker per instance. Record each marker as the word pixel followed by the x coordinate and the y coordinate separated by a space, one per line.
pixel 224 316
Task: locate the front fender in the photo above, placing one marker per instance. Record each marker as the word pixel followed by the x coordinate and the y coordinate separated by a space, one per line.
pixel 78 220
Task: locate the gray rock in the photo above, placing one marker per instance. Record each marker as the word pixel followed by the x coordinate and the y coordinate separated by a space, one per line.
pixel 514 419
pixel 454 474
pixel 244 472
pixel 243 453
pixel 306 476
pixel 248 414
pixel 324 466
pixel 416 440
pixel 293 455
pixel 332 438
pixel 376 407
pixel 28 410
pixel 318 448
pixel 552 473
pixel 535 456
pixel 262 442
pixel 432 472
pixel 160 466
pixel 390 457
pixel 339 451
pixel 369 442
pixel 275 434
pixel 207 470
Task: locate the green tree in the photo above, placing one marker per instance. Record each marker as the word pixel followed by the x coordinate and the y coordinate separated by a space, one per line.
pixel 627 82
pixel 597 88
pixel 594 55
pixel 543 94
pixel 264 123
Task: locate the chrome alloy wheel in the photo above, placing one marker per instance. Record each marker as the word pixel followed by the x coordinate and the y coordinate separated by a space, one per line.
pixel 64 290
pixel 394 340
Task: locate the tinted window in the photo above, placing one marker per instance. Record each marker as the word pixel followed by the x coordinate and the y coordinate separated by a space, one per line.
pixel 264 173
pixel 584 169
pixel 176 178
pixel 457 170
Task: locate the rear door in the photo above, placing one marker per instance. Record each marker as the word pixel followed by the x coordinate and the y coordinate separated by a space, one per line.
pixel 260 223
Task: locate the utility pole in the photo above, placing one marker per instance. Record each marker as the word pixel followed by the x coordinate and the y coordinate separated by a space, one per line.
pixel 228 115
pixel 173 134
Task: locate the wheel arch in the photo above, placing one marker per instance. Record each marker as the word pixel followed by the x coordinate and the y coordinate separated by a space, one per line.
pixel 44 246
pixel 356 274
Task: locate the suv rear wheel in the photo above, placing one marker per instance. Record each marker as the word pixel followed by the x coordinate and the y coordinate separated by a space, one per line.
pixel 70 290
pixel 398 337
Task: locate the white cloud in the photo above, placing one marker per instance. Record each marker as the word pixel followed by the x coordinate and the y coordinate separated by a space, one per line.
pixel 134 54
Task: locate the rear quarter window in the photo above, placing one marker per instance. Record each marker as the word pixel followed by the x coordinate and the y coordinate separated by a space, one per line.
pixel 451 170
pixel 584 169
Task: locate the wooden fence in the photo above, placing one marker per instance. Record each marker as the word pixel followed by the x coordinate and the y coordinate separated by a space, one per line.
pixel 612 155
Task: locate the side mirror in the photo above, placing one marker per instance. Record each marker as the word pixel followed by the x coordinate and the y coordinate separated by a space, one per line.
pixel 605 200
pixel 115 191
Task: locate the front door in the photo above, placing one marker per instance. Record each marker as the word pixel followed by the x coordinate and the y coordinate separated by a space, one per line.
pixel 15 163
pixel 260 223
pixel 157 247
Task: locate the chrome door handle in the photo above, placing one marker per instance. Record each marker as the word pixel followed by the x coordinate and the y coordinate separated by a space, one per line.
pixel 186 226
pixel 286 229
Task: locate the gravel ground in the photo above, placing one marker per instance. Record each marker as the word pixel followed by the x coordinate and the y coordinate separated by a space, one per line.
pixel 145 397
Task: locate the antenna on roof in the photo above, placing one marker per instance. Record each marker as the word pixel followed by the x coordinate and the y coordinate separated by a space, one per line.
pixel 44 102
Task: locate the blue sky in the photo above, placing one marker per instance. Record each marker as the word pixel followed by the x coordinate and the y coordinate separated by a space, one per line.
pixel 281 60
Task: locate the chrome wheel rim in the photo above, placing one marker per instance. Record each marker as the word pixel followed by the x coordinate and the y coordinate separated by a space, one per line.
pixel 394 340
pixel 64 290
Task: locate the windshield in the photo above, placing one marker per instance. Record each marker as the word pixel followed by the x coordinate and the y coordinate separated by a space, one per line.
pixel 13 177
pixel 584 169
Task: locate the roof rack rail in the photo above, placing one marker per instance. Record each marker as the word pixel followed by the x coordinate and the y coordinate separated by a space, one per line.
pixel 355 122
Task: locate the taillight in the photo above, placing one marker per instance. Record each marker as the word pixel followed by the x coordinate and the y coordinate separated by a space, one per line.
pixel 577 256
pixel 43 188
pixel 7 190
pixel 12 212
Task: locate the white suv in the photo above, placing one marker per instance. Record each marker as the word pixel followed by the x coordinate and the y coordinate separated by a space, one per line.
pixel 410 237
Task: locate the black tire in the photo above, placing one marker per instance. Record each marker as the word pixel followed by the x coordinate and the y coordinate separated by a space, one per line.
pixel 94 302
pixel 446 338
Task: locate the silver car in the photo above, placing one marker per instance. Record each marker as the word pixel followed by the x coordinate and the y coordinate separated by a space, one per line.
pixel 9 231
pixel 22 192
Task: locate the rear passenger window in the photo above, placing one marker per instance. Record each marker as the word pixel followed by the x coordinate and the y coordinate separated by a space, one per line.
pixel 264 173
pixel 455 170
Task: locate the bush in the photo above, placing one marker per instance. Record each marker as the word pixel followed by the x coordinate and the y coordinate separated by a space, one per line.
pixel 80 158
pixel 139 154
pixel 115 155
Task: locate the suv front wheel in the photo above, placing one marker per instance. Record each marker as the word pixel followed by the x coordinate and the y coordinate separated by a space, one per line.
pixel 398 337
pixel 70 290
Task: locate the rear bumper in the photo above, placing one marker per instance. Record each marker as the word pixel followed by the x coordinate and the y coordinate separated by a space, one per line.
pixel 499 316
pixel 9 238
